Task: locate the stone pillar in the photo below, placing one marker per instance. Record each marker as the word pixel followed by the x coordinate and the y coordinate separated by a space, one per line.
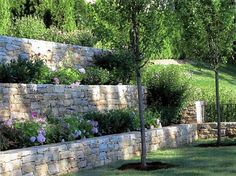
pixel 199 111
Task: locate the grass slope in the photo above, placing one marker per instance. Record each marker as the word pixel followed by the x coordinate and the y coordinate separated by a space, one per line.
pixel 190 161
pixel 204 78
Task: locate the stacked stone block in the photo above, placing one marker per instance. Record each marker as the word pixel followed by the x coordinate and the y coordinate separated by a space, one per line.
pixel 54 54
pixel 61 158
pixel 209 130
pixel 18 101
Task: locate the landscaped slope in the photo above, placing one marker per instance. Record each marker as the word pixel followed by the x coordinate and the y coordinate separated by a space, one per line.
pixel 202 78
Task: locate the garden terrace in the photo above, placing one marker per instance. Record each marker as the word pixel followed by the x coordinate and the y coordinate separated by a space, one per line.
pixel 19 101
pixel 60 158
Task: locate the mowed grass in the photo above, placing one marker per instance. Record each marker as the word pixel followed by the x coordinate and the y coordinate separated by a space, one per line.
pixel 204 78
pixel 189 161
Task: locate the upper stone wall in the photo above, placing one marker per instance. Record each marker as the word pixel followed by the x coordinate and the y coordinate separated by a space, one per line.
pixel 18 101
pixel 54 54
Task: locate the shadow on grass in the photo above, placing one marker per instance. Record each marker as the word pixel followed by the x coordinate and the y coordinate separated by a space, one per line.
pixel 191 161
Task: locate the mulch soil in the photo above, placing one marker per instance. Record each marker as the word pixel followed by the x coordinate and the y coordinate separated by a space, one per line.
pixel 150 166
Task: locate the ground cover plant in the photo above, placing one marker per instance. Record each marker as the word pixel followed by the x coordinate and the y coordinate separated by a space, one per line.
pixel 41 130
pixel 189 161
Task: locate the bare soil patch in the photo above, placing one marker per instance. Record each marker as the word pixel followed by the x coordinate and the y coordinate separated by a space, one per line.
pixel 150 166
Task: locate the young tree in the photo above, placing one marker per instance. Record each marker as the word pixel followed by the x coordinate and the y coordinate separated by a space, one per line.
pixel 134 26
pixel 208 34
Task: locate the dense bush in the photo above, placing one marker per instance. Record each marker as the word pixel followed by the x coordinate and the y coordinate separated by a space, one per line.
pixel 24 71
pixel 114 121
pixel 10 137
pixel 28 27
pixel 67 75
pixel 119 63
pixel 83 37
pixel 168 92
pixel 123 120
pixel 96 76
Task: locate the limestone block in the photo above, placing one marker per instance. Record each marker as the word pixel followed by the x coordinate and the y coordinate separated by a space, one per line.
pixel 53 168
pixel 59 89
pixel 41 170
pixel 28 159
pixel 29 174
pixel 63 166
pixel 4 112
pixel 27 168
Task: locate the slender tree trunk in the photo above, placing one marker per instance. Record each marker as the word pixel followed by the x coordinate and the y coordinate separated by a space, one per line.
pixel 141 116
pixel 218 107
pixel 134 39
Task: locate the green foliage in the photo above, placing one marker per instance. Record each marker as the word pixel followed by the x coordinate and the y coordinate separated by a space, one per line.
pixel 28 129
pixel 5 16
pixel 96 76
pixel 82 37
pixel 10 137
pixel 152 117
pixel 167 92
pixel 67 75
pixel 114 121
pixel 208 29
pixel 24 71
pixel 119 63
pixel 28 27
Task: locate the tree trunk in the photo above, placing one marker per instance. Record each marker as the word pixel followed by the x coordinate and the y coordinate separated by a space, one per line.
pixel 218 107
pixel 141 116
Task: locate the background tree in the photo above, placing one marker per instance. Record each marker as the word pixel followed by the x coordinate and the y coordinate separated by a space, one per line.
pixel 5 16
pixel 132 25
pixel 208 35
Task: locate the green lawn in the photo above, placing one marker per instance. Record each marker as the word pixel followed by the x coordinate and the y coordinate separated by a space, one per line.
pixel 190 161
pixel 203 77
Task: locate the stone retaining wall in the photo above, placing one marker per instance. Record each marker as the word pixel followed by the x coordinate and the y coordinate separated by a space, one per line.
pixel 66 157
pixel 209 130
pixel 18 101
pixel 54 54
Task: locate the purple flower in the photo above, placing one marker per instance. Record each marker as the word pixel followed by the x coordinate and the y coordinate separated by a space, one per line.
pixel 34 115
pixel 8 123
pixel 77 134
pixel 94 130
pixel 40 138
pixel 33 139
pixel 42 131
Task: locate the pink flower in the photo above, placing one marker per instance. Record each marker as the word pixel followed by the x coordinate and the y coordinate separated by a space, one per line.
pixel 34 115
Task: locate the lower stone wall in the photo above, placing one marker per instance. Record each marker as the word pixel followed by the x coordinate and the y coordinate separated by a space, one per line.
pixel 18 101
pixel 57 159
pixel 209 130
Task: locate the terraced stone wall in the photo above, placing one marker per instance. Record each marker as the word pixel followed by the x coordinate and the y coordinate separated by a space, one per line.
pixel 57 159
pixel 54 54
pixel 18 101
pixel 209 130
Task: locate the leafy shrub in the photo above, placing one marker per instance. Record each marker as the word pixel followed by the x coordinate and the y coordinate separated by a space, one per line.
pixel 167 92
pixel 67 75
pixel 114 121
pixel 69 128
pixel 152 118
pixel 28 27
pixel 10 137
pixel 24 71
pixel 96 76
pixel 119 63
